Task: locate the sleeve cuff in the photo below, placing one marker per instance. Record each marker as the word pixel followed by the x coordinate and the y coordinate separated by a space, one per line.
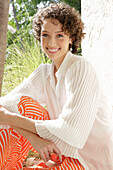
pixel 65 148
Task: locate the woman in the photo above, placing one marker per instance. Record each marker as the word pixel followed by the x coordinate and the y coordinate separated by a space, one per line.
pixel 80 125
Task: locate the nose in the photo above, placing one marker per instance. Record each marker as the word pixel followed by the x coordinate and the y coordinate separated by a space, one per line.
pixel 52 41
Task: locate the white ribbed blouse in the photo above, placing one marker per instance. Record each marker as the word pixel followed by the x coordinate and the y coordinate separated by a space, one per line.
pixel 81 124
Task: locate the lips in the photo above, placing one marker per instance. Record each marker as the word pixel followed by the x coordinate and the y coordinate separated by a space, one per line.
pixel 53 50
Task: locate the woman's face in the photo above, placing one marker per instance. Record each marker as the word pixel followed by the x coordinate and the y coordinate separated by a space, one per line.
pixel 54 42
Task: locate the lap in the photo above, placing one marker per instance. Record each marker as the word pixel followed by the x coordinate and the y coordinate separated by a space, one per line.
pixel 14 147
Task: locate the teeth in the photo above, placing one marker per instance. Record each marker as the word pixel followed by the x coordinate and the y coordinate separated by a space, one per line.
pixel 53 50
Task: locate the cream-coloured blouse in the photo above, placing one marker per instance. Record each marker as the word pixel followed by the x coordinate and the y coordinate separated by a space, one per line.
pixel 81 124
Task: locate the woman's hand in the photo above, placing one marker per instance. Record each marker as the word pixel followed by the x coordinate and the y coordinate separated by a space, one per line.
pixel 45 148
pixel 42 146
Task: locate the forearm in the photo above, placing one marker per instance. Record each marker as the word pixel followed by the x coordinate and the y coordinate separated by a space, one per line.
pixel 21 122
pixel 26 127
pixel 16 120
pixel 27 134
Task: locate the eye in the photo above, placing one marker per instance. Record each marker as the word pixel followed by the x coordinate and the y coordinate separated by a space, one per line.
pixel 59 35
pixel 45 35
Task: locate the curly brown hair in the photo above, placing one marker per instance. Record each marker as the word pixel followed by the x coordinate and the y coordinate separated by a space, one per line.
pixel 68 16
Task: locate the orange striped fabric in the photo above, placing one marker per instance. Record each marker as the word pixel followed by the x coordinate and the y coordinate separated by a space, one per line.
pixel 14 147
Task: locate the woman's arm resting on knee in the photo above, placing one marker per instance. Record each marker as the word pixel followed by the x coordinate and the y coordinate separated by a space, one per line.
pixel 26 127
pixel 42 146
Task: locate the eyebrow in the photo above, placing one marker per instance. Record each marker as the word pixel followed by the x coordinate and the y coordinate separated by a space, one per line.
pixel 55 32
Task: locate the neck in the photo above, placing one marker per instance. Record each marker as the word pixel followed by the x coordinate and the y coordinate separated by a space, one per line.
pixel 58 63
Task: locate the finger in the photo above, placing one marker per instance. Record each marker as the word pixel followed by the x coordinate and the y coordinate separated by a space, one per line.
pixel 50 152
pixel 47 155
pixel 43 156
pixel 58 152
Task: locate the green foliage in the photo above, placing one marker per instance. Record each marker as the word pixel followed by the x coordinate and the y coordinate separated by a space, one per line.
pixel 21 60
pixel 74 3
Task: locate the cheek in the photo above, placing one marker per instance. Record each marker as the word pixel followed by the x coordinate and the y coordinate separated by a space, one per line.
pixel 61 42
pixel 65 44
pixel 43 43
pixel 64 41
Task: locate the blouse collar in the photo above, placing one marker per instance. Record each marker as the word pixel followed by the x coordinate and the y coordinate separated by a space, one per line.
pixel 64 66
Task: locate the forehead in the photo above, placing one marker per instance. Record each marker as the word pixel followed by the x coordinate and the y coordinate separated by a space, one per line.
pixel 51 25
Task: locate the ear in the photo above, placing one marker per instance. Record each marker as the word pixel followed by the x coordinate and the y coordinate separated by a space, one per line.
pixel 71 40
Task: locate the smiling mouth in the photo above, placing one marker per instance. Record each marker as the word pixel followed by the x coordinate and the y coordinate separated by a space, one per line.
pixel 53 50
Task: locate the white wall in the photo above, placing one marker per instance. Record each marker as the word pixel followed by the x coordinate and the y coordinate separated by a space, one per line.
pixel 98 43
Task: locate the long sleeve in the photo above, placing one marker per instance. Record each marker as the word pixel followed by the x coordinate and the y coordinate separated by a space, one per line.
pixel 32 86
pixel 73 126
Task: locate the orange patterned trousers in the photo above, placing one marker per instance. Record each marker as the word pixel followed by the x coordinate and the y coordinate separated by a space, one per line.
pixel 14 147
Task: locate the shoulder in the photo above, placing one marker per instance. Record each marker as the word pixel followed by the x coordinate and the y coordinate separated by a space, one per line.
pixel 79 63
pixel 79 69
pixel 43 68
